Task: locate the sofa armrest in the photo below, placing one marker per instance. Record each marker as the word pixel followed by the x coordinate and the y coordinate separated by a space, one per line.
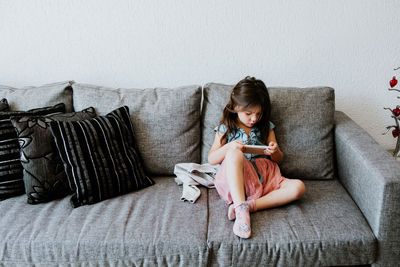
pixel 372 177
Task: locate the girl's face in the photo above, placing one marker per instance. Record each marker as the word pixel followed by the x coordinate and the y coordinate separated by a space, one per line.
pixel 248 117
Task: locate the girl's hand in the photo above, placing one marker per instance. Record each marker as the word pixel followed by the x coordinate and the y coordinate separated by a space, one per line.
pixel 235 144
pixel 272 148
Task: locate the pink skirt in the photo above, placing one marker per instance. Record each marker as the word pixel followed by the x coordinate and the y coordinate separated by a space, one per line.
pixel 272 179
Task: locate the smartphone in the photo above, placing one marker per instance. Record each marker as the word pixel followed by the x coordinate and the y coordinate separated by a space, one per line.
pixel 254 149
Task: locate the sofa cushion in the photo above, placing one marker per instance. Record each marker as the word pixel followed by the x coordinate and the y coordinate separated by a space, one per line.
pixel 323 228
pixel 11 178
pixel 30 97
pixel 100 157
pixel 150 227
pixel 304 127
pixel 44 176
pixel 4 105
pixel 166 121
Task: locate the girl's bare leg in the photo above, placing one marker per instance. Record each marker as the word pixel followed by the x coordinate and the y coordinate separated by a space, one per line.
pixel 289 191
pixel 234 176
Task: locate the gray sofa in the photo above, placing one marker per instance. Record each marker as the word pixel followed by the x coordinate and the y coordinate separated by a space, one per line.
pixel 349 215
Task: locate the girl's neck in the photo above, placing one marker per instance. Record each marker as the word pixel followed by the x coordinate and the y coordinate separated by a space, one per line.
pixel 244 127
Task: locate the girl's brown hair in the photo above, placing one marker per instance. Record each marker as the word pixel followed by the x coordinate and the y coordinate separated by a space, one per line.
pixel 246 94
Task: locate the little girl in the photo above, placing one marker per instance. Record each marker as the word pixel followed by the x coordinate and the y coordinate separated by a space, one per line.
pixel 251 182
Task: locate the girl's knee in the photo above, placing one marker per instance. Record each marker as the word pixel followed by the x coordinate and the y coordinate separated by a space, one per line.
pixel 299 188
pixel 296 188
pixel 234 155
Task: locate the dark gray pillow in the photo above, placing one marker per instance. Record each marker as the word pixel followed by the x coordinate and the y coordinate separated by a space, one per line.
pixel 4 105
pixel 304 127
pixel 11 182
pixel 100 157
pixel 43 174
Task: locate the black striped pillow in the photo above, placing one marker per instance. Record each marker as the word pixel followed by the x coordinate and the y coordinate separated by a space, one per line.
pixel 100 157
pixel 11 182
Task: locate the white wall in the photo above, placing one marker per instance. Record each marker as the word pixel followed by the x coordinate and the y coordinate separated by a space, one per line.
pixel 352 46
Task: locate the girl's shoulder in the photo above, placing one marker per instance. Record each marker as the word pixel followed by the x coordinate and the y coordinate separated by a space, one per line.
pixel 221 128
pixel 271 125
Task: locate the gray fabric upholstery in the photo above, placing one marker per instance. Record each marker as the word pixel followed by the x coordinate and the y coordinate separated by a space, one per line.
pixel 324 228
pixel 149 227
pixel 166 121
pixel 304 127
pixel 372 177
pixel 30 97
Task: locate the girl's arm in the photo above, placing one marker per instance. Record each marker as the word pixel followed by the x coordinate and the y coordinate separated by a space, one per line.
pixel 218 150
pixel 273 151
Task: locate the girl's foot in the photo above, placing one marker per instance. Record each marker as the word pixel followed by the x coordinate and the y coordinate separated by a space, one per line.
pixel 241 227
pixel 231 209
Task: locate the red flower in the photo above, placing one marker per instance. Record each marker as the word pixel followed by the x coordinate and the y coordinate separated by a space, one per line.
pixel 393 82
pixel 396 111
pixel 395 132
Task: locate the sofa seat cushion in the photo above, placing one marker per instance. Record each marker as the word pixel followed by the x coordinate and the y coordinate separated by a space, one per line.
pixel 148 227
pixel 323 228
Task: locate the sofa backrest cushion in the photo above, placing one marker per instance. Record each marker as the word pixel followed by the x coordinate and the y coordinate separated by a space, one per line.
pixel 31 97
pixel 166 121
pixel 303 119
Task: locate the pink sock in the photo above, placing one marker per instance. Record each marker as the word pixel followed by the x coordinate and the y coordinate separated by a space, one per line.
pixel 231 209
pixel 241 227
